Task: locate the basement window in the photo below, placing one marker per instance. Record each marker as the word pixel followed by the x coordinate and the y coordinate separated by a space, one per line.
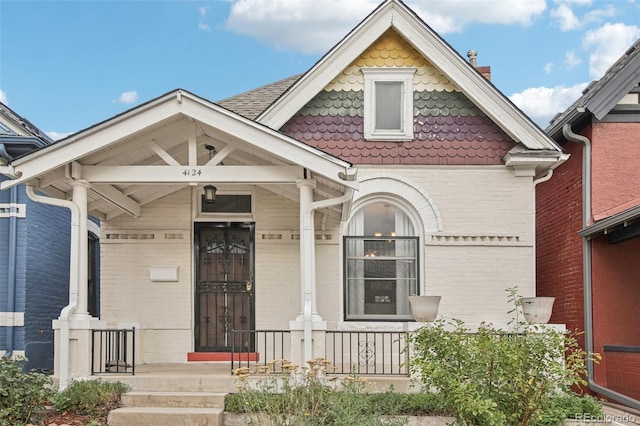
pixel 388 103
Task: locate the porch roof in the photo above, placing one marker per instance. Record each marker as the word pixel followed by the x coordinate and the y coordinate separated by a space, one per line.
pixel 175 141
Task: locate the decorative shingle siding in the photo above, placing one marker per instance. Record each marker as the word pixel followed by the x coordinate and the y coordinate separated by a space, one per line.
pixel 448 127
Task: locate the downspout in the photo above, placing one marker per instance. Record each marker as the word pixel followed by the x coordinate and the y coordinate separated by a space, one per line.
pixel 310 287
pixel 586 270
pixel 73 279
pixel 11 272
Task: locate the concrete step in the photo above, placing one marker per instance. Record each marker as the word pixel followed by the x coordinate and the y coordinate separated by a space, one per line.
pixel 174 416
pixel 178 383
pixel 173 399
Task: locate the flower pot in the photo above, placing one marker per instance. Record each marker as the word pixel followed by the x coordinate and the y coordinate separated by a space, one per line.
pixel 424 308
pixel 537 310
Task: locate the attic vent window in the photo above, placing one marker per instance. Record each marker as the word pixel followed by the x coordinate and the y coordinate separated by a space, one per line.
pixel 388 103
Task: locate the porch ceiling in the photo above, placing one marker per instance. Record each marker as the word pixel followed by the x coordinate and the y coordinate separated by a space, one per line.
pixel 224 149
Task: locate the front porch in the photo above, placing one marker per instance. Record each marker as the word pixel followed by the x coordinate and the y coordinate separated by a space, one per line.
pixel 216 377
pixel 357 352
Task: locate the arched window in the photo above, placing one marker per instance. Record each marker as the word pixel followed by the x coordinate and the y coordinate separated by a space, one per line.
pixel 381 263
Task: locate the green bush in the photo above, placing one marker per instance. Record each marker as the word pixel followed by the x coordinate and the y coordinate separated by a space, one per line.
pixel 93 398
pixel 494 377
pixel 22 395
pixel 567 407
pixel 305 396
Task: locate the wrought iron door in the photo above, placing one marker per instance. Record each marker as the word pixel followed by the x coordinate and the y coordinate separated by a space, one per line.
pixel 224 290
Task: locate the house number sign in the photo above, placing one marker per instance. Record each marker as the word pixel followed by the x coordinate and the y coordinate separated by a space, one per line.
pixel 192 172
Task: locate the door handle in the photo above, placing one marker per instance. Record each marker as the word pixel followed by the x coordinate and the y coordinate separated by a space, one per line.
pixel 249 285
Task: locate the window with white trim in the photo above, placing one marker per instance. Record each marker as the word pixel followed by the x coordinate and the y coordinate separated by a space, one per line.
pixel 381 263
pixel 388 103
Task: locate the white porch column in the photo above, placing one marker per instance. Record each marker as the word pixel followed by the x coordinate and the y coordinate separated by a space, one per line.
pixel 307 251
pixel 308 321
pixel 80 189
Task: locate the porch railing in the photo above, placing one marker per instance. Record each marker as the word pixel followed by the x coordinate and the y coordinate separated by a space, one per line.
pixel 368 352
pixel 259 347
pixel 113 351
pixel 349 352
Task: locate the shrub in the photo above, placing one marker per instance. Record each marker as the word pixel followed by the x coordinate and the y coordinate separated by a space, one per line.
pixel 93 398
pixel 494 377
pixel 567 407
pixel 22 395
pixel 304 396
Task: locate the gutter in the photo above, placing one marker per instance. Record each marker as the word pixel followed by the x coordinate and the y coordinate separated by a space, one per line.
pixel 74 283
pixel 11 272
pixel 586 265
pixel 310 285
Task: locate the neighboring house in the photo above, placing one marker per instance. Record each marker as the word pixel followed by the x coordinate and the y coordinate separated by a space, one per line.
pixel 588 227
pixel 392 167
pixel 34 256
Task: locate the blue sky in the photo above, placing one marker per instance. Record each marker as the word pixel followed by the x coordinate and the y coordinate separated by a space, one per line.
pixel 66 65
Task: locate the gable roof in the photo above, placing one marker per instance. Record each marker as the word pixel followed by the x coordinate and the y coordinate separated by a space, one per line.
pixel 18 136
pixel 601 96
pixel 250 104
pixel 174 130
pixel 395 14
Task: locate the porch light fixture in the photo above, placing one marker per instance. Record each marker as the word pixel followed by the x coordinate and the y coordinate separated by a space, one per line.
pixel 210 194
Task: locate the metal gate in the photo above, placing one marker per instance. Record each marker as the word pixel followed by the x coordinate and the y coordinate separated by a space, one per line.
pixel 224 289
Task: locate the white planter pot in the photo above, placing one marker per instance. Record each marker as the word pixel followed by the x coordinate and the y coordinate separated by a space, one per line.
pixel 537 310
pixel 424 308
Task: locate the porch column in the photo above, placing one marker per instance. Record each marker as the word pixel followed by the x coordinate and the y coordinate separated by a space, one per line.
pixel 307 253
pixel 307 330
pixel 80 189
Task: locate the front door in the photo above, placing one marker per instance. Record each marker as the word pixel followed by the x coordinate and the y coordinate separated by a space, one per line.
pixel 224 287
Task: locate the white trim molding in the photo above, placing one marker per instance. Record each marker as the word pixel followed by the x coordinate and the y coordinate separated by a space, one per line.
pixel 398 188
pixel 401 75
pixel 11 319
pixel 12 209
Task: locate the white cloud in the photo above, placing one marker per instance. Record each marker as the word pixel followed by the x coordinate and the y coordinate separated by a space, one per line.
pixel 607 44
pixel 571 60
pixel 202 11
pixel 318 25
pixel 548 68
pixel 128 97
pixel 598 15
pixel 3 97
pixel 541 104
pixel 58 135
pixel 578 2
pixel 565 18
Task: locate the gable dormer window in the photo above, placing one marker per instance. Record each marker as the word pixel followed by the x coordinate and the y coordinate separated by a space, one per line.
pixel 388 103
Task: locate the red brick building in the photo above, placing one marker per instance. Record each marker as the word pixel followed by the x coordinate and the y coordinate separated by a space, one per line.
pixel 588 227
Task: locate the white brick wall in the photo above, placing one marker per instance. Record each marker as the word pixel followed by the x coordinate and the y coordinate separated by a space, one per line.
pixel 485 246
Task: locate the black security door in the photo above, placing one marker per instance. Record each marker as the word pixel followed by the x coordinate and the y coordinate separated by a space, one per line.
pixel 224 288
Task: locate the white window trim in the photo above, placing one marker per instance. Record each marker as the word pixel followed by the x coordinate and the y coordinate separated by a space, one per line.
pixel 223 217
pixel 403 75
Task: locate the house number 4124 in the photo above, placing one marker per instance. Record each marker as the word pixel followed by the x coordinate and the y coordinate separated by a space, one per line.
pixel 192 172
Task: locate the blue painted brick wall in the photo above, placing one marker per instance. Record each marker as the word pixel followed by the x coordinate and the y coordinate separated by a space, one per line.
pixel 47 278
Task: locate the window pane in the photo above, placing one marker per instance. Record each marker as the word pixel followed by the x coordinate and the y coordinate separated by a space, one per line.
pixel 388 105
pixel 380 274
pixel 228 204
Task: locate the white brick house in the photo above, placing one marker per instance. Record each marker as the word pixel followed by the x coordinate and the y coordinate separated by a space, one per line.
pixel 392 167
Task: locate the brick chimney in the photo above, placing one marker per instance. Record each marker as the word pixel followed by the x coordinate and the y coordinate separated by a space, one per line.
pixel 485 71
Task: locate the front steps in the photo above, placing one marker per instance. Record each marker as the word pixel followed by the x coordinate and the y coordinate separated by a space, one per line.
pixel 174 394
pixel 153 408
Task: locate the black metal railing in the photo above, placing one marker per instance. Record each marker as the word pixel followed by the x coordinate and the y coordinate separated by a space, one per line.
pixel 113 351
pixel 348 352
pixel 368 352
pixel 260 347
